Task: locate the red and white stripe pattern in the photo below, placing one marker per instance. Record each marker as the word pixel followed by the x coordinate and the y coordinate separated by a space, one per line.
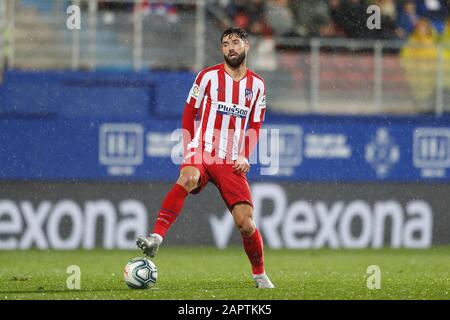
pixel 227 107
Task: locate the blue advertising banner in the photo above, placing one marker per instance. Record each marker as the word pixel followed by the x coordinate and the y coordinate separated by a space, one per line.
pixel 331 149
pixel 125 126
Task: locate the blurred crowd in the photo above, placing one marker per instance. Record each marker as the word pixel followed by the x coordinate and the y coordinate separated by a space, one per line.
pixel 310 18
pixel 332 18
pixel 422 24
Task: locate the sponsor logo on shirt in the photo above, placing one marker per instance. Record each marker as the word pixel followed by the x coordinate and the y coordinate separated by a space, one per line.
pixel 195 91
pixel 232 109
pixel 262 104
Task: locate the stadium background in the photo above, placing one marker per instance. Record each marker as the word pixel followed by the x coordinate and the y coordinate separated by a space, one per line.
pixel 88 122
pixel 88 119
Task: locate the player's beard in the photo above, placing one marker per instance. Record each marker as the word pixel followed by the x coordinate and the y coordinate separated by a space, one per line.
pixel 235 62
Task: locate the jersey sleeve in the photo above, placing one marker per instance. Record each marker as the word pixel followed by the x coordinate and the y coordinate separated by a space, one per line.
pixel 197 92
pixel 256 118
pixel 193 102
pixel 260 107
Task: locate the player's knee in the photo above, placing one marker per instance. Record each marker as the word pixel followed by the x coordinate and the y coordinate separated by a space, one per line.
pixel 246 227
pixel 243 218
pixel 188 181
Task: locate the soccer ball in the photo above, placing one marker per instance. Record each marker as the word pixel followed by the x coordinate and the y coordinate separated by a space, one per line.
pixel 140 273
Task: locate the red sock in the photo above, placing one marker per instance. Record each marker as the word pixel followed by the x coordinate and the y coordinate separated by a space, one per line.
pixel 171 207
pixel 253 246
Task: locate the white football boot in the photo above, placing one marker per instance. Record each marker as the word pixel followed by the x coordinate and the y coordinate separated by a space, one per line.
pixel 149 245
pixel 263 282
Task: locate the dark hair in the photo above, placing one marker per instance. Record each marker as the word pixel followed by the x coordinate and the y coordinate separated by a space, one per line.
pixel 239 32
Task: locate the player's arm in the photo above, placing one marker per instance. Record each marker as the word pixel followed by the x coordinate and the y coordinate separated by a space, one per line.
pixel 256 119
pixel 193 102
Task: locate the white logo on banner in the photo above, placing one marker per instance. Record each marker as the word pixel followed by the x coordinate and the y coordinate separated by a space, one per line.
pixel 161 144
pixel 431 151
pixel 382 152
pixel 327 146
pixel 24 225
pixel 121 147
pixel 303 224
pixel 290 147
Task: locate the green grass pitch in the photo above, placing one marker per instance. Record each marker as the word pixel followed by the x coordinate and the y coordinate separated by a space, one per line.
pixel 210 273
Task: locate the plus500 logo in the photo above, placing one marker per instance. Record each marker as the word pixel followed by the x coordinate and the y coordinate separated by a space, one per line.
pixel 234 110
pixel 304 224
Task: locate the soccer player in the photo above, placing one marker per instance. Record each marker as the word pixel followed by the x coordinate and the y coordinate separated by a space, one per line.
pixel 231 99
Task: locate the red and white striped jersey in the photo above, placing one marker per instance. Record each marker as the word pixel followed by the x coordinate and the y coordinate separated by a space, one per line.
pixel 227 109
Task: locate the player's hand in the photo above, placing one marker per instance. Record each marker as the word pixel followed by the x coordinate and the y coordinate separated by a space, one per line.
pixel 241 164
